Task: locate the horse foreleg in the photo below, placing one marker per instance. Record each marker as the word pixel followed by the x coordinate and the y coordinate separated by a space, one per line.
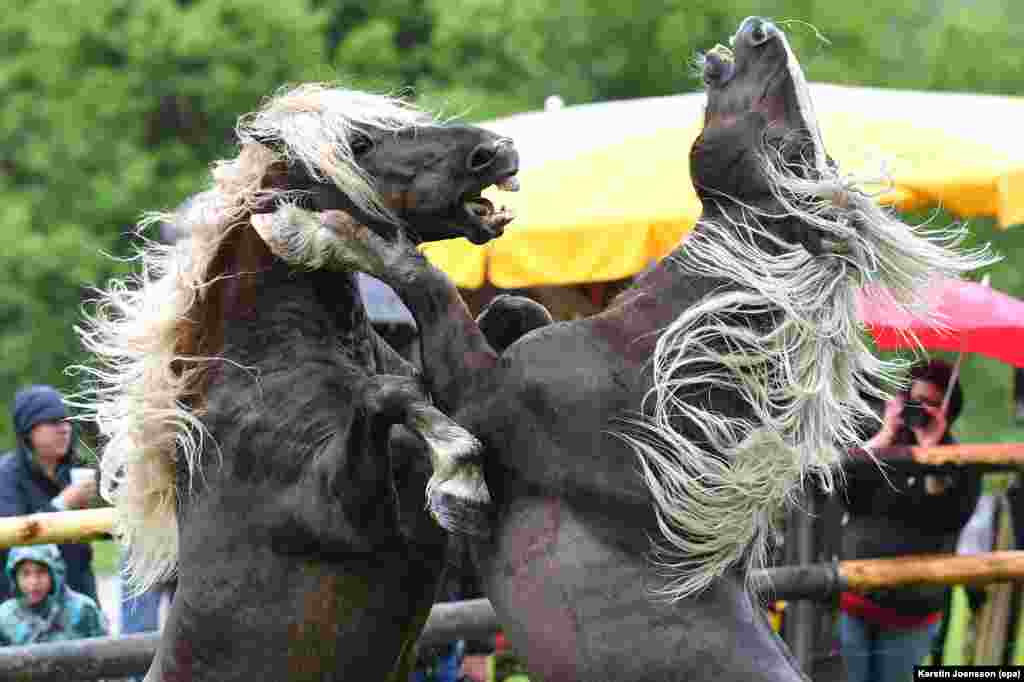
pixel 457 495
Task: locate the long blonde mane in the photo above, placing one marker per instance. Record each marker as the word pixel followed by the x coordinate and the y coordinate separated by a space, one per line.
pixel 803 375
pixel 155 335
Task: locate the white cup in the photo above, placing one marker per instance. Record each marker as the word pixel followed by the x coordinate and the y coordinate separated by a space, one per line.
pixel 82 474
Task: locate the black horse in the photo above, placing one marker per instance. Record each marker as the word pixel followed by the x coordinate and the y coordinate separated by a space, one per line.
pixel 638 459
pixel 248 405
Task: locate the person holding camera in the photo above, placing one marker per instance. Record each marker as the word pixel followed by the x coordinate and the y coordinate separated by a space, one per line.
pixel 890 512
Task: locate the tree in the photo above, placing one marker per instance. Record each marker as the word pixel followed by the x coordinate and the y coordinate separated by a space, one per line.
pixel 114 108
pixel 111 109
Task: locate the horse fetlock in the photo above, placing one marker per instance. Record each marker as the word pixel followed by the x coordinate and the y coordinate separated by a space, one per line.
pixel 331 240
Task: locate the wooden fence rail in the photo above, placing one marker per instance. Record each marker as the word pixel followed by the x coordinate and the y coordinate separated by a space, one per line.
pixel 93 659
pixel 57 527
pixel 90 524
pixel 98 658
pixel 985 455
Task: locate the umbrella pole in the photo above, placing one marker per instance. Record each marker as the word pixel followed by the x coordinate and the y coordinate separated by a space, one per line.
pixel 952 382
pixel 959 361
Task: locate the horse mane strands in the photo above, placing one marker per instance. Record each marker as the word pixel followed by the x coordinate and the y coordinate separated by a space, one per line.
pixel 783 333
pixel 146 333
pixel 315 124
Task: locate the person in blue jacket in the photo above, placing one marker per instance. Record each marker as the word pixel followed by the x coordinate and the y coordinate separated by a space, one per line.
pixel 36 477
pixel 43 608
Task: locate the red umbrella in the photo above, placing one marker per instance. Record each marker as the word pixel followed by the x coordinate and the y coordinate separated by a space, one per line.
pixel 969 317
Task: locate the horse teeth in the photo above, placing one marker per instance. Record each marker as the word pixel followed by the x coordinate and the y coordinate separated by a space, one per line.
pixel 509 184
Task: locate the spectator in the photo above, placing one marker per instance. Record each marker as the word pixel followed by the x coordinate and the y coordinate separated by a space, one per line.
pixel 885 633
pixel 43 608
pixel 36 477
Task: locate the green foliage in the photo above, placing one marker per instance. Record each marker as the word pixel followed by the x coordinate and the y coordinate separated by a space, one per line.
pixel 111 109
pixel 114 108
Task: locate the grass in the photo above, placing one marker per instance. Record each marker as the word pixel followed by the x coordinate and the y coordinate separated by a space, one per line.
pixel 953 651
pixel 106 557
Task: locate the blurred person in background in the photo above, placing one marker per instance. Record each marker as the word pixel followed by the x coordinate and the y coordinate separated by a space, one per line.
pixel 36 477
pixel 885 633
pixel 44 608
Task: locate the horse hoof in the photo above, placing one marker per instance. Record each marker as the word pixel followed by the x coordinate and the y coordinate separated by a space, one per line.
pixel 461 514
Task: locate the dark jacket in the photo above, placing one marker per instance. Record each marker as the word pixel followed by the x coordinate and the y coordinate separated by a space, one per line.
pixel 898 516
pixel 26 489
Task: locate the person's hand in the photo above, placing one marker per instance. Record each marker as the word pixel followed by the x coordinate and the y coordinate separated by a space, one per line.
pixel 79 495
pixel 932 432
pixel 892 420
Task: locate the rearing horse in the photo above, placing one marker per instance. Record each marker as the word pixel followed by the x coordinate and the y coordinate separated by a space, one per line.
pixel 639 458
pixel 248 405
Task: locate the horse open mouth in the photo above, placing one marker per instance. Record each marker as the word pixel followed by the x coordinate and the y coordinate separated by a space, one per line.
pixel 479 213
pixel 719 65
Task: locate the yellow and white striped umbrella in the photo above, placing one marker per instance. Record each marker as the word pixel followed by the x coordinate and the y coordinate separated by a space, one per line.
pixel 606 187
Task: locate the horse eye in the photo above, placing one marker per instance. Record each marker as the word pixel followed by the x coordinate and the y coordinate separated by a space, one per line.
pixel 360 144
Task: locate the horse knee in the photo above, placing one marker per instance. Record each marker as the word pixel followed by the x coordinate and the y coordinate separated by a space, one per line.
pixel 390 396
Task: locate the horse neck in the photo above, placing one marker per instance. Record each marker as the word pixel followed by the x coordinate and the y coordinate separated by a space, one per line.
pixel 247 281
pixel 656 299
pixel 456 354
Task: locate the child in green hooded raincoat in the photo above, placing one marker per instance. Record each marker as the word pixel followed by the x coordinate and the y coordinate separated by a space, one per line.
pixel 44 608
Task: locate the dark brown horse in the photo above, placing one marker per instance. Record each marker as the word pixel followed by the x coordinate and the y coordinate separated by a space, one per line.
pixel 638 459
pixel 248 405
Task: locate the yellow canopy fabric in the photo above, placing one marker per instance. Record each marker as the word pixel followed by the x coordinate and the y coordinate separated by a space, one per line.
pixel 606 188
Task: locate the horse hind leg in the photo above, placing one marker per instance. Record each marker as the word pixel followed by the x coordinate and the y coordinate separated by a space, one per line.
pixel 457 496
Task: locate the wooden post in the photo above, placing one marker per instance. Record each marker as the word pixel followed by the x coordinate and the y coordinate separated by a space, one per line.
pixel 800 617
pixel 56 527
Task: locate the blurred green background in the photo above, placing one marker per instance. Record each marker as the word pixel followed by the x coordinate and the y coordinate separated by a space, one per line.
pixel 112 108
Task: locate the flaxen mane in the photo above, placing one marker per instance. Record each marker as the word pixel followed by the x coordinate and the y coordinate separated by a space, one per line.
pixel 156 335
pixel 801 376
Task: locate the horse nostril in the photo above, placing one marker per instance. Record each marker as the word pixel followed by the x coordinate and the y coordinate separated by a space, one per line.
pixel 761 33
pixel 482 156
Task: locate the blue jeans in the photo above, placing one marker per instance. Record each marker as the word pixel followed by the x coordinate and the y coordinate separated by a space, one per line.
pixel 447 667
pixel 141 613
pixel 877 654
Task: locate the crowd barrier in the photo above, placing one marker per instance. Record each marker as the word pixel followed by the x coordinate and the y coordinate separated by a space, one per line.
pixel 111 657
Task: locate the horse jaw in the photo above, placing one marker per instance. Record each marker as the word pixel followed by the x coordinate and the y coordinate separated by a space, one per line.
pixel 762 76
pixel 804 107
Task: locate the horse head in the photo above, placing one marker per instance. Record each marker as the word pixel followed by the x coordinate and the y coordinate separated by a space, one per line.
pixel 758 119
pixel 386 164
pixel 248 406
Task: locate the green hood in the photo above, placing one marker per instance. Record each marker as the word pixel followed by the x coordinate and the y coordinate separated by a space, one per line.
pixel 43 554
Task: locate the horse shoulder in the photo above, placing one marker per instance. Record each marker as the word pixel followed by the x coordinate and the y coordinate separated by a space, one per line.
pixel 548 409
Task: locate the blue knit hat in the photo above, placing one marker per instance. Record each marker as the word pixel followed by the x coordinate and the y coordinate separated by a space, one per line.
pixel 37 404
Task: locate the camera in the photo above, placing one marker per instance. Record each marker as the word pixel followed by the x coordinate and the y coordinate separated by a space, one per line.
pixel 914 415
